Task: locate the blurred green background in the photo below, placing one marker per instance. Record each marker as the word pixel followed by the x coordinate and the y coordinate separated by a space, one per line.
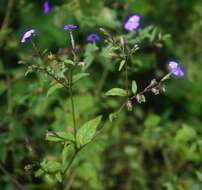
pixel 156 146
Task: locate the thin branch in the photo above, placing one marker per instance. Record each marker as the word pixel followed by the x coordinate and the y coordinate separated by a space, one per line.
pixel 151 86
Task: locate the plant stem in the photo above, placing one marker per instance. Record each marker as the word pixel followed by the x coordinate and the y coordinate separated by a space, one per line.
pixel 18 185
pixel 36 50
pixel 71 161
pixel 72 102
pixel 126 77
pixel 7 17
pixel 70 81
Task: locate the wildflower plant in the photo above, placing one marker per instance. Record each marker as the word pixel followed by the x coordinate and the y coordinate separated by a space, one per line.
pixel 64 76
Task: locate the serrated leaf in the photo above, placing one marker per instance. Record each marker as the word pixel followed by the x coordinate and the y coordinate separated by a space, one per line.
pixel 122 64
pixel 79 76
pixel 86 132
pixel 53 88
pixel 116 92
pixel 134 87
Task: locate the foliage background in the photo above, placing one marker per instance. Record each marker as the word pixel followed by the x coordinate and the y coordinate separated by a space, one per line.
pixel 156 146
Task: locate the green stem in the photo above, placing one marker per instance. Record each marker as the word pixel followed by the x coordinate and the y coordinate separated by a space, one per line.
pixel 73 46
pixel 72 103
pixel 71 161
pixel 126 78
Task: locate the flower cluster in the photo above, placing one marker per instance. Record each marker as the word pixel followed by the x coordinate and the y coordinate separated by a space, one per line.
pixel 131 24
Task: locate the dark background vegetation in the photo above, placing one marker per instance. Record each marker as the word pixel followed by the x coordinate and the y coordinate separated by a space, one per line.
pixel 156 146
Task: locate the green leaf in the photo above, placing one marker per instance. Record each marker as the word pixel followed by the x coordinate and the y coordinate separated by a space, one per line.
pixel 53 88
pixel 79 76
pixel 122 64
pixel 68 62
pixel 89 55
pixel 134 87
pixel 59 136
pixel 44 51
pixel 51 166
pixel 153 35
pixel 152 120
pixel 39 173
pixel 86 132
pixel 168 186
pixel 29 70
pixel 185 134
pixel 199 175
pixel 196 187
pixel 116 92
pixel 58 176
pixel 112 116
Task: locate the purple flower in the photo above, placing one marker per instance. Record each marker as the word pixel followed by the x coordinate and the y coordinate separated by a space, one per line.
pixel 27 35
pixel 132 23
pixel 93 37
pixel 46 7
pixel 175 69
pixel 70 27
